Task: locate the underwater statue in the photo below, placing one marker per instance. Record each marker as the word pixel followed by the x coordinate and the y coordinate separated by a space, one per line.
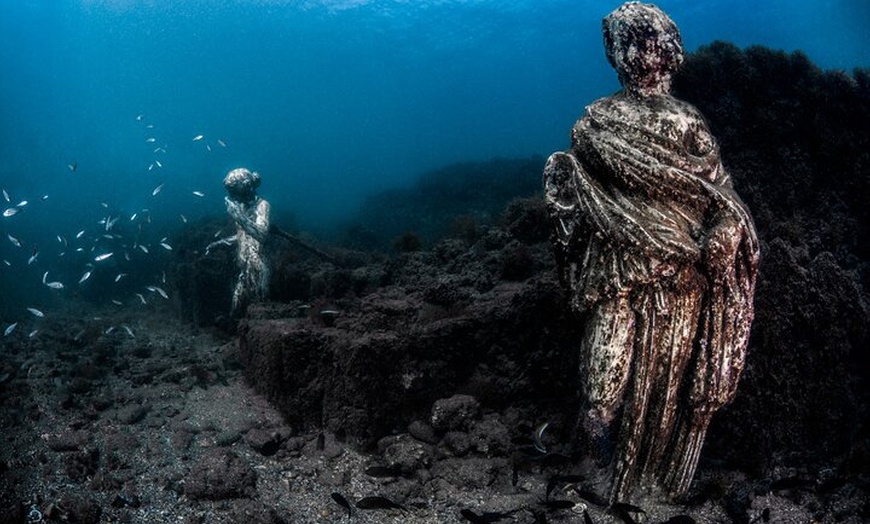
pixel 251 216
pixel 659 256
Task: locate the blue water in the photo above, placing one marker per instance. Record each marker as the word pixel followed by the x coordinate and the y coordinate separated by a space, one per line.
pixel 329 100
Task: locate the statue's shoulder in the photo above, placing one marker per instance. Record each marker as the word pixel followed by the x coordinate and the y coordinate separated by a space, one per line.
pixel 607 103
pixel 685 107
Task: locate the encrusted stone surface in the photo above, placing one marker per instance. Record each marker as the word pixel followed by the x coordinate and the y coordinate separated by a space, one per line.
pixel 387 360
pixel 659 256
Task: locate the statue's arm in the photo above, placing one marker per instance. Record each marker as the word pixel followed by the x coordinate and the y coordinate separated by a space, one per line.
pixel 261 219
pixel 254 222
pixel 560 194
pixel 226 241
pixel 576 200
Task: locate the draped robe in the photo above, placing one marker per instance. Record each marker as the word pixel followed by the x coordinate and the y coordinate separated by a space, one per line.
pixel 660 258
pixel 252 227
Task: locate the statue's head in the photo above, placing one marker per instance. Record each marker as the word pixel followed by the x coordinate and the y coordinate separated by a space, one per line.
pixel 644 46
pixel 242 184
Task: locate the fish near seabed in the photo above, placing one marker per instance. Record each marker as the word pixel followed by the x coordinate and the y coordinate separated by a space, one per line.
pixel 378 502
pixel 159 291
pixel 35 312
pixel 343 502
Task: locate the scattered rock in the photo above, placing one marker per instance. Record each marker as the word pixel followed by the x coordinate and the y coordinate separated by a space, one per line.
pixel 267 442
pixel 133 413
pixel 67 441
pixel 220 474
pixel 454 413
pixel 81 465
pixel 423 432
pixel 83 511
pixel 404 454
pixel 469 473
pixel 490 437
pixel 227 438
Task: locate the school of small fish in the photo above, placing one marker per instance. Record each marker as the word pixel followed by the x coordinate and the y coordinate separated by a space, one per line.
pixel 119 248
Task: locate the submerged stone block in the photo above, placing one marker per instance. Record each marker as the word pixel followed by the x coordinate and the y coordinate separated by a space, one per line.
pixel 365 382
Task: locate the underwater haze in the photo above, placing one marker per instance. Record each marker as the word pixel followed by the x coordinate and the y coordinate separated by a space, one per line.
pixel 104 101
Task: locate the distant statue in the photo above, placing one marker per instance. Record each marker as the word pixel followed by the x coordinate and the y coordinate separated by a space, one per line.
pixel 251 216
pixel 659 256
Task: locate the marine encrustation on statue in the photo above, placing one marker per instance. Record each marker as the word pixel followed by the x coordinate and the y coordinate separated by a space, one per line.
pixel 250 213
pixel 659 256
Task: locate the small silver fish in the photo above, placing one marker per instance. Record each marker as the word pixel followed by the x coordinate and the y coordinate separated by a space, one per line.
pixel 128 330
pixel 57 285
pixel 183 218
pixel 9 329
pixel 44 197
pixel 35 312
pixel 104 256
pixel 151 140
pixel 538 437
pixel 109 329
pixel 197 137
pixel 44 277
pixel 6 196
pixel 143 248
pixel 86 276
pixel 12 211
pixel 117 302
pixel 8 263
pixel 33 333
pixel 221 143
pixel 15 241
pixel 141 298
pixel 157 190
pixel 155 289
pixel 120 276
pixel 21 204
pixel 157 162
pixel 198 193
pixel 32 258
pixel 166 246
pixel 150 167
pixel 80 233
